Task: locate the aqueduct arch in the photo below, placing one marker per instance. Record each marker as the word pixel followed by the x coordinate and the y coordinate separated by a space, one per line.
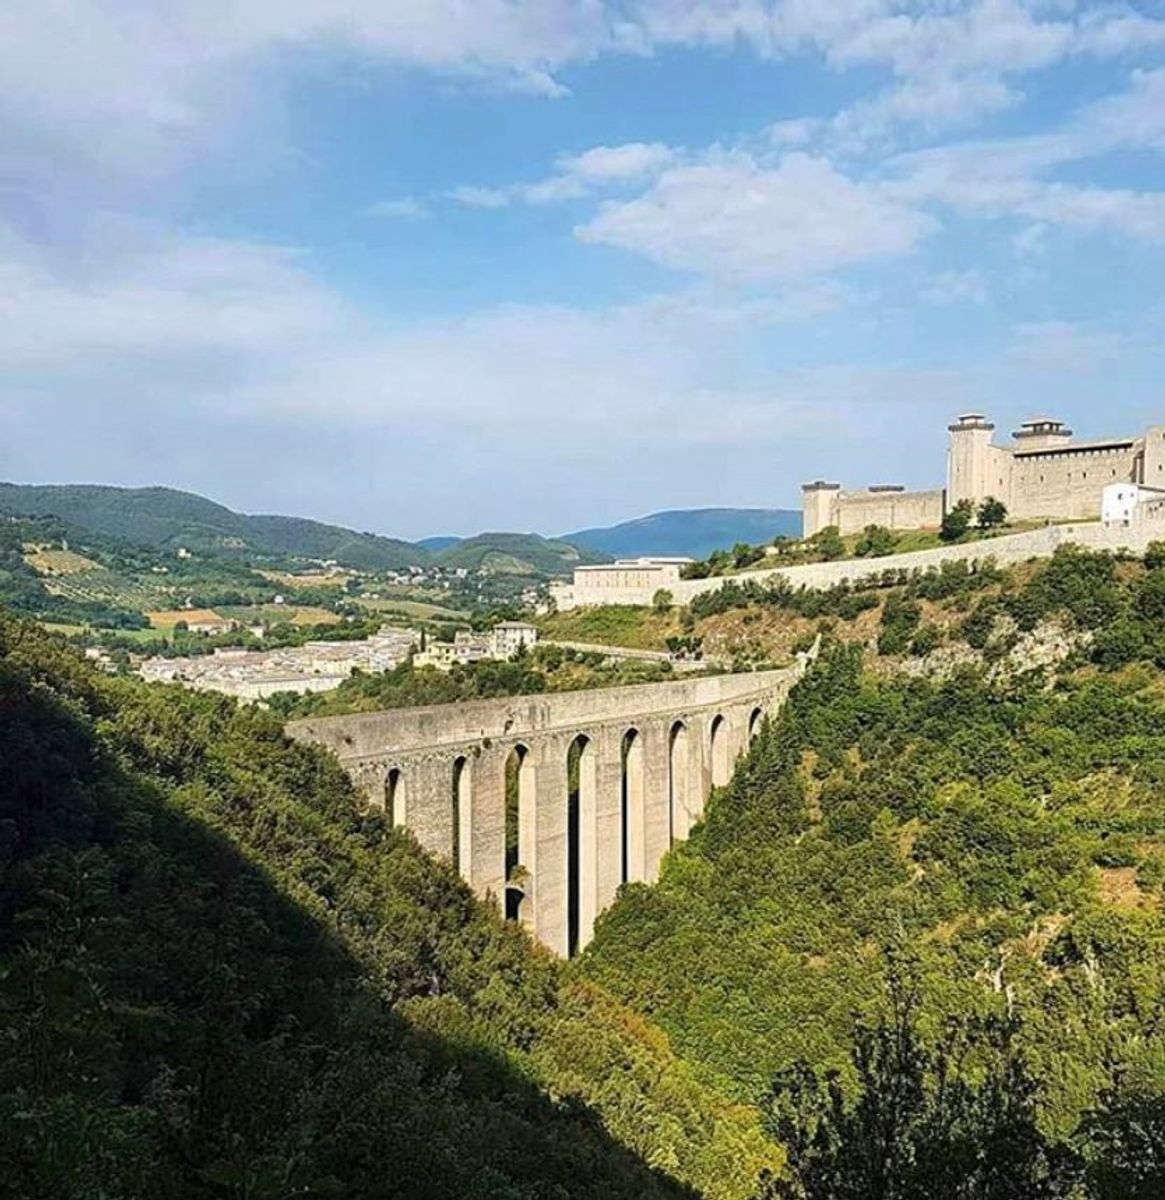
pixel 549 803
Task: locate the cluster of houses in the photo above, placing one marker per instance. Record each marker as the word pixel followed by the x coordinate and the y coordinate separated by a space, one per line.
pixel 320 666
pixel 503 641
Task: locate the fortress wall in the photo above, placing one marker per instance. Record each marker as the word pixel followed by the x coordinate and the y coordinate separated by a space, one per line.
pixel 894 510
pixel 1005 550
pixel 1067 483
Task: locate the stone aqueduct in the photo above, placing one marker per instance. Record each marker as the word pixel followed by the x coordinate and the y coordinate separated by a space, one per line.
pixel 548 803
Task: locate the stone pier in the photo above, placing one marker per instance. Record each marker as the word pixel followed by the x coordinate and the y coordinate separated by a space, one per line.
pixel 548 803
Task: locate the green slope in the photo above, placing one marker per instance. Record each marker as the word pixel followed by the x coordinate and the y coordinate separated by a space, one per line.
pixel 217 979
pixel 1003 842
pixel 517 554
pixel 166 519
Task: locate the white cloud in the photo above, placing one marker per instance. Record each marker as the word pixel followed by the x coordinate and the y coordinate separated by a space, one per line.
pixel 245 330
pixel 797 131
pixel 931 104
pixel 956 287
pixel 1008 177
pixel 1031 240
pixel 480 197
pixel 632 160
pixel 576 176
pixel 104 91
pixel 399 208
pixel 1057 347
pixel 730 216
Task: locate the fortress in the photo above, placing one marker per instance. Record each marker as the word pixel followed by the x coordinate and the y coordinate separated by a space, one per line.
pixel 1042 474
pixel 1104 495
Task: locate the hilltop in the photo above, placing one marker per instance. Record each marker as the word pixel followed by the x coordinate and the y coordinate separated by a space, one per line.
pixel 516 554
pixel 694 532
pixel 165 519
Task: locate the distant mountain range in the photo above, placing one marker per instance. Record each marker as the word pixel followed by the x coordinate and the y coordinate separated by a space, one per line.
pixel 695 532
pixel 166 519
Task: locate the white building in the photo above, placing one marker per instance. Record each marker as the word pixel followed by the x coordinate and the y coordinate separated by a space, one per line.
pixel 508 637
pixel 625 581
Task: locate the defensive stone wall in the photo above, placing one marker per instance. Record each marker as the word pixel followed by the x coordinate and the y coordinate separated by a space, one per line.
pixel 1067 481
pixel 1004 550
pixel 892 509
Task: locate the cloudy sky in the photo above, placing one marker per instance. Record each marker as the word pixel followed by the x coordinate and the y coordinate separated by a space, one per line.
pixel 429 266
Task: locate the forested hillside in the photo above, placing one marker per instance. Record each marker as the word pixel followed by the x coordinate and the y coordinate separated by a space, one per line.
pixel 515 554
pixel 164 518
pixel 217 979
pixel 915 949
pixel 996 852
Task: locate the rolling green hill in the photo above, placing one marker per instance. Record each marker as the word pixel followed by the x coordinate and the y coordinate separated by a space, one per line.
pixel 517 554
pixel 165 518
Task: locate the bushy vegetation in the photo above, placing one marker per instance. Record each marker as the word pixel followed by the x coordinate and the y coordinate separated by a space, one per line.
pixel 845 600
pixel 218 979
pixel 544 669
pixel 1010 835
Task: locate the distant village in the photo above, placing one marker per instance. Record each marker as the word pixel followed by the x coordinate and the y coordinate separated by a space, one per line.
pixel 321 666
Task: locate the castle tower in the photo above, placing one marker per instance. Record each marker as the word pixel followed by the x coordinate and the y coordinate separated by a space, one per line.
pixel 820 506
pixel 969 460
pixel 1042 433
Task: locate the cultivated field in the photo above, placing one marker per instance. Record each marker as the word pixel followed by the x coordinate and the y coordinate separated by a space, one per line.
pixel 108 587
pixel 413 608
pixel 167 618
pixel 331 579
pixel 277 614
pixel 58 562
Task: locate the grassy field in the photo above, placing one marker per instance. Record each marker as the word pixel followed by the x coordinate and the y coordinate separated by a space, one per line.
pixel 613 625
pixel 58 562
pixel 317 580
pixel 277 614
pixel 167 618
pixel 413 608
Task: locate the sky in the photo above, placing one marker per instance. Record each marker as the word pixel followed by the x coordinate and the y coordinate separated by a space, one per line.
pixel 439 266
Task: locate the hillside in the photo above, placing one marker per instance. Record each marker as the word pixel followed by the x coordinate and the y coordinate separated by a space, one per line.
pixel 219 980
pixel 930 907
pixel 165 518
pixel 695 532
pixel 972 865
pixel 516 554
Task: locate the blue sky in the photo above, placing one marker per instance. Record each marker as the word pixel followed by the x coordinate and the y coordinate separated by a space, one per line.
pixel 540 264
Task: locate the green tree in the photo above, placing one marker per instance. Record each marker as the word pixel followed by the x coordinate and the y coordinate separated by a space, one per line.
pixel 1123 1140
pixel 991 513
pixel 956 521
pixel 876 542
pixel 828 544
pixel 662 601
pixel 918 1128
